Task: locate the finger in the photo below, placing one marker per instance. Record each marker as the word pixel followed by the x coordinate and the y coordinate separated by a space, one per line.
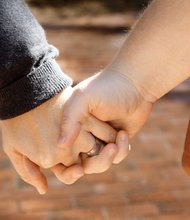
pixel 22 167
pixel 71 155
pixel 101 162
pixel 84 143
pixel 74 113
pixel 123 147
pixel 37 178
pixel 68 175
pixel 100 129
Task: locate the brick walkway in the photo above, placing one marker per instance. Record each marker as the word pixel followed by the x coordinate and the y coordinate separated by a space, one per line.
pixel 149 185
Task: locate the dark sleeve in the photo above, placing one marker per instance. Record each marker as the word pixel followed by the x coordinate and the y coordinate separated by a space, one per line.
pixel 29 75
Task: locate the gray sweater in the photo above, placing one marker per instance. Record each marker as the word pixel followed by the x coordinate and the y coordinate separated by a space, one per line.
pixel 29 74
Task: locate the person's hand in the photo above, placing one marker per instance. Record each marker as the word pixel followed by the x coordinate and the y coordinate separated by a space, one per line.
pixel 30 142
pixel 95 164
pixel 110 97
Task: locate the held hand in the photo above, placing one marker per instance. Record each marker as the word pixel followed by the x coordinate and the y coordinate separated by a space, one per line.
pixel 30 142
pixel 110 97
pixel 96 164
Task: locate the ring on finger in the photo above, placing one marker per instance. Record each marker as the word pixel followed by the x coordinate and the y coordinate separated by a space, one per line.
pixel 98 146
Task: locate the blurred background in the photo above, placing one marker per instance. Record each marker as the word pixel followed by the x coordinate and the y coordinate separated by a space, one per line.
pixel 150 184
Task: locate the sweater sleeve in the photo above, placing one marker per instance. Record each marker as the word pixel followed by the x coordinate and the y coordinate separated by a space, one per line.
pixel 29 74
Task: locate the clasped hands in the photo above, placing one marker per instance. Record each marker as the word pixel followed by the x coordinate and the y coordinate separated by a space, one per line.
pixel 57 134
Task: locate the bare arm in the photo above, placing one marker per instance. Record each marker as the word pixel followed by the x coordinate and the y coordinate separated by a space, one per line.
pixel 154 59
pixel 156 54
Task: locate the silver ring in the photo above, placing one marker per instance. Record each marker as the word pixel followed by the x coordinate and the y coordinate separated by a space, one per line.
pixel 98 145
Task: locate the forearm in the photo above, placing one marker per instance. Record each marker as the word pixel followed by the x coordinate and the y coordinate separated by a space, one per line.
pixel 29 74
pixel 156 54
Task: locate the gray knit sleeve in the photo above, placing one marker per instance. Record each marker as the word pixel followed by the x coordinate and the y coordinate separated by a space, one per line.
pixel 29 74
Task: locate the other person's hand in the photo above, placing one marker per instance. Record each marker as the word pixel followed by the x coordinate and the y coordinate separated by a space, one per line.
pixel 30 142
pixel 111 97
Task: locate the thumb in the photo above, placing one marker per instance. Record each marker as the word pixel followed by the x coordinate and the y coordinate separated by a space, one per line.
pixel 75 112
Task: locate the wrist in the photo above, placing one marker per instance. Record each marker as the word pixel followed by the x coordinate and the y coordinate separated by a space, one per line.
pixel 136 79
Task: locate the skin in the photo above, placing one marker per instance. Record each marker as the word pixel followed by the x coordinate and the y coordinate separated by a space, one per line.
pixel 29 140
pixel 152 61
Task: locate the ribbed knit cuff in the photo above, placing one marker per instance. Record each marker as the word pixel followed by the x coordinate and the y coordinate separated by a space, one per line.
pixel 32 90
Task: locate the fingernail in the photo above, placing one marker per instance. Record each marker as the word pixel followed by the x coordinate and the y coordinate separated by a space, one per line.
pixel 123 137
pixel 61 141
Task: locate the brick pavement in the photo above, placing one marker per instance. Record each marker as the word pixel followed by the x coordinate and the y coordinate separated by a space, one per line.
pixel 149 185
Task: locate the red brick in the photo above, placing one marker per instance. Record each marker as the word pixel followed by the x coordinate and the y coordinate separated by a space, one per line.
pixel 174 207
pixel 80 214
pixel 8 206
pixel 168 217
pixel 105 199
pixel 38 216
pixel 44 205
pixel 137 210
pixel 152 196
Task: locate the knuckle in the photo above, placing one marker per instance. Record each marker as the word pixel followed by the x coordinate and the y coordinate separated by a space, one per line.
pixel 46 161
pixel 65 120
